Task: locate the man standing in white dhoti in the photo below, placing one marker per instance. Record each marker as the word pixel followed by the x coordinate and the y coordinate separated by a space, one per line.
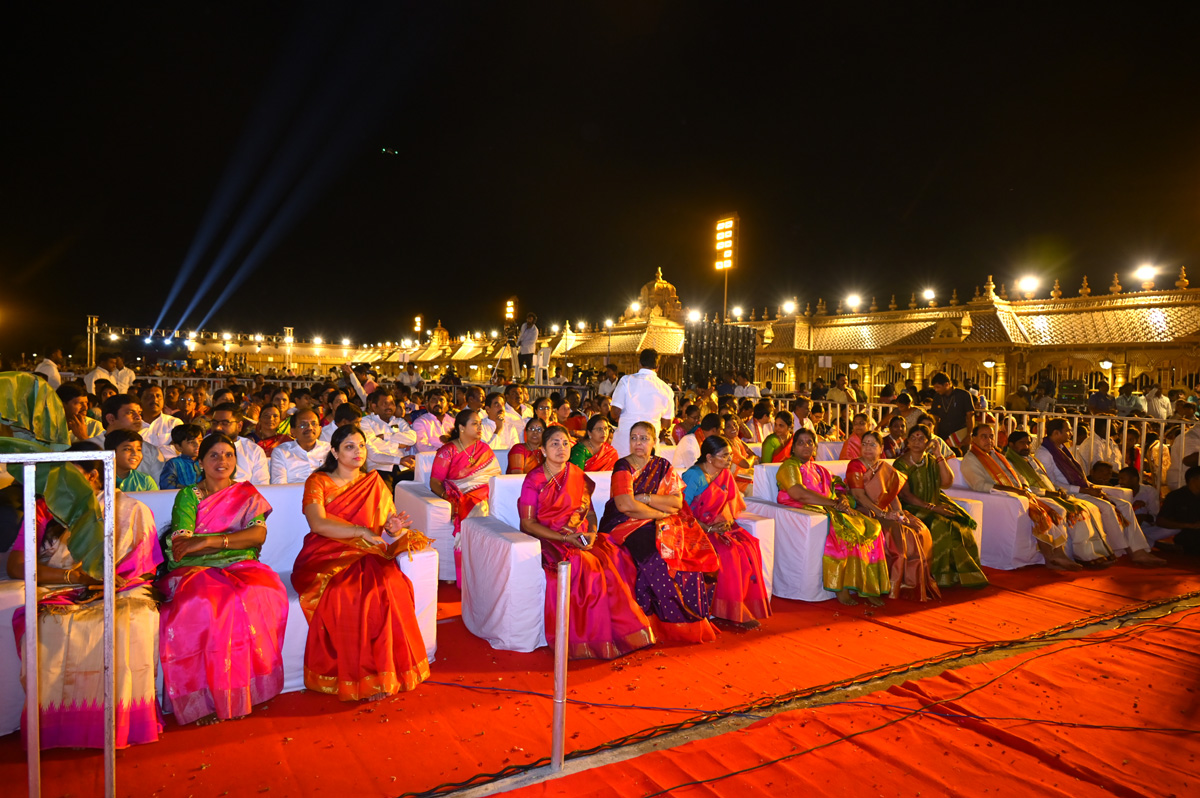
pixel 641 397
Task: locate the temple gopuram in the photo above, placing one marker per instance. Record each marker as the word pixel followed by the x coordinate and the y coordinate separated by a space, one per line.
pixel 994 339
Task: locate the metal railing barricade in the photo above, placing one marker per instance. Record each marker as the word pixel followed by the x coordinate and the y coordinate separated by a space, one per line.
pixel 29 462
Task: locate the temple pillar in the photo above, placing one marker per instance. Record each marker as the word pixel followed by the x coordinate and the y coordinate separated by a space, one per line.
pixel 999 383
pixel 865 381
pixel 1120 375
pixel 918 374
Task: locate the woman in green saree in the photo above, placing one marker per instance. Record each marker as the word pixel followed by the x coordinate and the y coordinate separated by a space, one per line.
pixel 955 558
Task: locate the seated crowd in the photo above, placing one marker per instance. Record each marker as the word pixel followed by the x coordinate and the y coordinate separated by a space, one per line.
pixel 665 560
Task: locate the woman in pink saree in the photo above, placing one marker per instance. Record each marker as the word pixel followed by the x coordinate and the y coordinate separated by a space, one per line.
pixel 460 474
pixel 852 447
pixel 556 507
pixel 71 629
pixel 711 490
pixel 222 622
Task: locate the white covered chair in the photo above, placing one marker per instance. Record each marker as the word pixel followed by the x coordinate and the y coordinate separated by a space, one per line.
pixel 503 584
pixel 286 528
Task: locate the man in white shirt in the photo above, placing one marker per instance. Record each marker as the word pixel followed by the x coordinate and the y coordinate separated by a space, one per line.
pixel 641 397
pixel 498 430
pixel 1186 450
pixel 295 460
pixel 105 363
pixel 433 429
pixel 156 425
pixel 1121 526
pixel 688 451
pixel 123 377
pixel 745 388
pixel 409 378
pixel 389 438
pixel 800 418
pixel 1157 405
pixel 514 408
pixel 840 392
pixel 252 465
pixel 1099 448
pixel 49 368
pixel 609 384
pixel 527 340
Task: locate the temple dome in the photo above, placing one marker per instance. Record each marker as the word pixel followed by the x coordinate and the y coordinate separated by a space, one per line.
pixel 658 298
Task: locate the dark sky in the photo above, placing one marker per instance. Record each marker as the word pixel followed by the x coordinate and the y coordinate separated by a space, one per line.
pixel 562 151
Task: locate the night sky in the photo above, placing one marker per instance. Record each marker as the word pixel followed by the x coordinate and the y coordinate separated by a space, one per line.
pixel 560 152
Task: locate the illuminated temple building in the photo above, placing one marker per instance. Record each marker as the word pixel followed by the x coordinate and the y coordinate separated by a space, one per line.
pixel 999 340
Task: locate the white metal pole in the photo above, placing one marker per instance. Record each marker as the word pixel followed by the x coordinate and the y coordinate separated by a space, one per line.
pixel 562 630
pixel 110 602
pixel 33 754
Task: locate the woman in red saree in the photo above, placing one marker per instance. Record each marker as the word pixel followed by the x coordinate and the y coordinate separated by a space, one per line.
pixel 710 489
pixel 876 485
pixel 594 452
pixel 524 457
pixel 676 563
pixel 221 626
pixel 363 637
pixel 556 507
pixel 852 447
pixel 460 474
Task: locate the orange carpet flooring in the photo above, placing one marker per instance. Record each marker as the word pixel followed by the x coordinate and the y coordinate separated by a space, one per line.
pixel 473 718
pixel 1116 713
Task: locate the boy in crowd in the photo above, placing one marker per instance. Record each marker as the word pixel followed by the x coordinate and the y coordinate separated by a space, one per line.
pixel 183 469
pixel 128 446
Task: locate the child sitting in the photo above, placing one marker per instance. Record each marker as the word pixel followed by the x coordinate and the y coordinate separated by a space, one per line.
pixel 183 470
pixel 128 446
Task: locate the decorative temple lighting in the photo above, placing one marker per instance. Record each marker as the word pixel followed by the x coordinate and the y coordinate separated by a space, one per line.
pixel 318 340
pixel 737 312
pixel 989 364
pixel 904 364
pixel 854 367
pixel 853 301
pixel 929 294
pixel 608 322
pixel 693 315
pixel 345 342
pixel 1106 364
pixel 554 328
pixel 789 307
pixel 635 306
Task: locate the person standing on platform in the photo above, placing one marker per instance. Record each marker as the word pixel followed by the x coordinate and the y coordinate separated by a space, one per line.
pixel 642 397
pixel 527 340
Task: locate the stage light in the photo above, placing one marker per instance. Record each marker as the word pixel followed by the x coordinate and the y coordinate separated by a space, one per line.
pixel 149 340
pixel 789 307
pixel 113 336
pixel 510 310
pixel 288 339
pixel 226 336
pixel 258 338
pixel 853 301
pixel 693 315
pixel 318 340
pixel 192 335
pixel 345 342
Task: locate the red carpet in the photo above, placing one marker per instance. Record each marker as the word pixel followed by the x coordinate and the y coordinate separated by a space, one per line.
pixel 1138 685
pixel 305 744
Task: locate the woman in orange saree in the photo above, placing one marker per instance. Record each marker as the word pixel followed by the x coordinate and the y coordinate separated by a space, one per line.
pixel 852 447
pixel 363 637
pixel 715 499
pixel 461 472
pixel 556 507
pixel 676 563
pixel 876 485
pixel 524 457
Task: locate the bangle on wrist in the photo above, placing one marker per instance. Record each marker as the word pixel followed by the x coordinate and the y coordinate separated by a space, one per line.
pixel 224 542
